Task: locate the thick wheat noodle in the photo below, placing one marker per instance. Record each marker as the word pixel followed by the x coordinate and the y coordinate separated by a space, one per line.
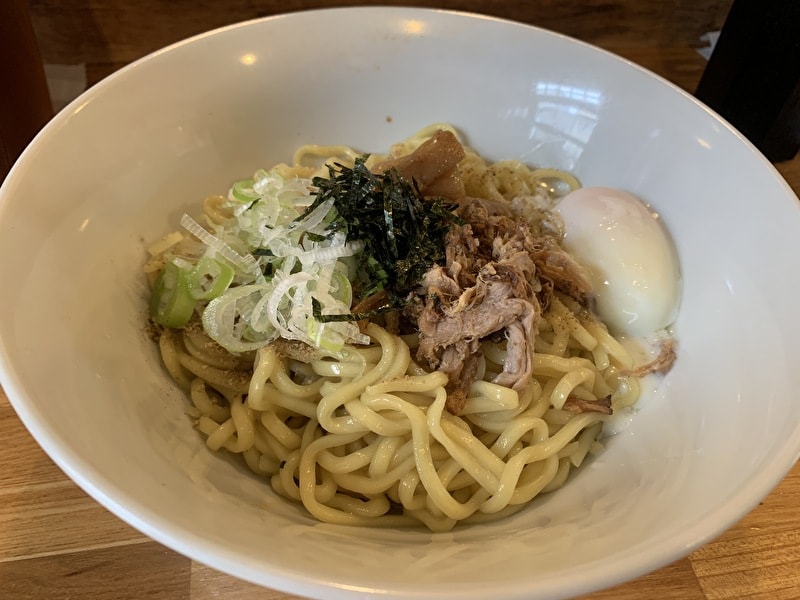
pixel 366 448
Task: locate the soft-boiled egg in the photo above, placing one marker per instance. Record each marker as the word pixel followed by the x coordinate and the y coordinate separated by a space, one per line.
pixel 631 261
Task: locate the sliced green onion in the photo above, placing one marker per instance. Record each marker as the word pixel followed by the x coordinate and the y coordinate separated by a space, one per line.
pixel 263 181
pixel 242 191
pixel 263 267
pixel 209 278
pixel 247 263
pixel 171 304
pixel 226 319
pixel 341 288
pixel 324 336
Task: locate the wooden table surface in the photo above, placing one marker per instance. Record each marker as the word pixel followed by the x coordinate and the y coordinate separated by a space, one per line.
pixel 56 542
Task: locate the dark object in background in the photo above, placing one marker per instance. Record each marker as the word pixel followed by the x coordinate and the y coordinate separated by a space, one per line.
pixel 24 98
pixel 753 76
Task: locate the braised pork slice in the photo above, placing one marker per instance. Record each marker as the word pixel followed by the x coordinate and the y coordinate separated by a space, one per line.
pixel 496 278
pixel 432 166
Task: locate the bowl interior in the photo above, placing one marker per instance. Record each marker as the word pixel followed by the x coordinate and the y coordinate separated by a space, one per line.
pixel 116 169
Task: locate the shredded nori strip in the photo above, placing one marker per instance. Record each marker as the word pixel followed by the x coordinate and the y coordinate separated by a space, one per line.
pixel 402 231
pixel 316 312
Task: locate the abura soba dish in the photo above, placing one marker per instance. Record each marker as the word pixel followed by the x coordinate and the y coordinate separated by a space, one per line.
pixel 401 339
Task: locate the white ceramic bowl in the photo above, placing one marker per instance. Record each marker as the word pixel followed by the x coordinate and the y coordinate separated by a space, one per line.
pixel 121 163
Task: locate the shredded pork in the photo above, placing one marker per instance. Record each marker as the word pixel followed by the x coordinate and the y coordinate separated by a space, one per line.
pixel 496 279
pixel 660 364
pixel 577 405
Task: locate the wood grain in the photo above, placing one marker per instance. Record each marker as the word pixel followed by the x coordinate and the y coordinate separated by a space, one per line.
pixel 57 543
